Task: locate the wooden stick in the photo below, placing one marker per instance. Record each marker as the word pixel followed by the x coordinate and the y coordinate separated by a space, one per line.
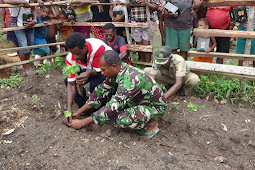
pixel 224 33
pixel 143 48
pixel 222 55
pixel 91 3
pixel 31 47
pixel 207 3
pixel 32 60
pixel 101 24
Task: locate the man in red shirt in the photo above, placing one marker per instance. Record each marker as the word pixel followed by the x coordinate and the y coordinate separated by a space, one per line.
pixel 219 18
pixel 85 53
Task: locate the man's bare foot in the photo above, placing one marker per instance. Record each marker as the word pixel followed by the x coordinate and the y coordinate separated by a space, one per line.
pixel 152 130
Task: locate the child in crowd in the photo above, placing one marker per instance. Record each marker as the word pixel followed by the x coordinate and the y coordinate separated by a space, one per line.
pixel 203 23
pixel 40 34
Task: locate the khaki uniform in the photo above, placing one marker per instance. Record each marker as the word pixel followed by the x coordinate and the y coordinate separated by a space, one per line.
pixel 177 68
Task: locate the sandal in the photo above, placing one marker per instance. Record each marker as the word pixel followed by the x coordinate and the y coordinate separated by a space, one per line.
pixel 148 135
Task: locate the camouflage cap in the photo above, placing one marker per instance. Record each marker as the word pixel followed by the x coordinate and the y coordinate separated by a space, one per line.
pixel 163 54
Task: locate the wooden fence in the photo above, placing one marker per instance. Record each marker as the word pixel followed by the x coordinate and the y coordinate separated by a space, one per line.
pixel 227 70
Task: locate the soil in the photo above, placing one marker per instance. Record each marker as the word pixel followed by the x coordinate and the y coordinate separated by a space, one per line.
pixel 216 136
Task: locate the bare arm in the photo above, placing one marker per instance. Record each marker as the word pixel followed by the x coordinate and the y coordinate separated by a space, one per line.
pixel 197 3
pixel 174 88
pixel 212 39
pixel 161 26
pixel 123 54
pixel 71 93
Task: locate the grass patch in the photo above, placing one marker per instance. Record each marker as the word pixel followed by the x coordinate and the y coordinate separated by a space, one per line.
pixel 226 88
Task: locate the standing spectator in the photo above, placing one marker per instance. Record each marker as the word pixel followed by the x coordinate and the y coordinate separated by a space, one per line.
pixel 116 42
pixel 40 34
pixel 5 21
pixel 143 36
pixel 178 26
pixel 117 14
pixel 82 15
pixel 240 46
pixel 203 23
pixel 100 14
pixel 25 37
pixel 219 18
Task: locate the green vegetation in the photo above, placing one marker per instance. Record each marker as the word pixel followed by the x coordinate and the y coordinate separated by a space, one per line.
pixel 35 97
pixel 59 63
pixel 13 81
pixel 71 69
pixel 192 106
pixel 176 105
pixel 226 88
pixel 67 114
pixel 3 39
pixel 1 108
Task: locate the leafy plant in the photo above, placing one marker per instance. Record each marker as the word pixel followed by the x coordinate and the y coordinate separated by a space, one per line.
pixel 225 88
pixel 13 81
pixel 35 97
pixel 71 69
pixel 43 68
pixel 192 106
pixel 1 108
pixel 68 115
pixel 59 62
pixel 176 105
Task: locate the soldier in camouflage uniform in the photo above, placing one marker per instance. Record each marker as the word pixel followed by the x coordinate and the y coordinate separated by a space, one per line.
pixel 172 71
pixel 128 95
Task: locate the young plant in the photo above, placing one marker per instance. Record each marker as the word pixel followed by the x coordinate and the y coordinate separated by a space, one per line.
pixel 68 115
pixel 176 105
pixel 13 81
pixel 192 106
pixel 1 108
pixel 35 97
pixel 71 69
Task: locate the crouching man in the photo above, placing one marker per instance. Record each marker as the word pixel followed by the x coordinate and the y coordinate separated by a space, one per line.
pixel 172 71
pixel 128 95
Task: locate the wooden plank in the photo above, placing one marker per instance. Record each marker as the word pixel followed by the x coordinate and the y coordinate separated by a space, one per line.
pixel 223 33
pixel 91 3
pixel 249 71
pixel 101 24
pixel 207 3
pixel 32 60
pixel 240 72
pixel 222 55
pixel 31 47
pixel 143 48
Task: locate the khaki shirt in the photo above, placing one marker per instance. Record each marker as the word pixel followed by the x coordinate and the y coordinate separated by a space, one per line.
pixel 177 68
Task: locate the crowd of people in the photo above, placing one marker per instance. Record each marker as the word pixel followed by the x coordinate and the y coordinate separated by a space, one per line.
pixel 118 90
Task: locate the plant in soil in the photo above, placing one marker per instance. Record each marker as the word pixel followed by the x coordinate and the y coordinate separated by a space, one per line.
pixel 175 104
pixel 192 106
pixel 35 97
pixel 226 88
pixel 13 81
pixel 68 115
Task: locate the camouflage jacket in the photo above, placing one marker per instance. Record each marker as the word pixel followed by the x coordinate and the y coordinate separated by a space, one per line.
pixel 131 87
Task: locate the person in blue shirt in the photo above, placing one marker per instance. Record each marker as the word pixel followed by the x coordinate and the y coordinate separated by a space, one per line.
pixel 40 34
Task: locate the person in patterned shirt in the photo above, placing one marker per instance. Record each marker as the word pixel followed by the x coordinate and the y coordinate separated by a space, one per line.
pixel 128 95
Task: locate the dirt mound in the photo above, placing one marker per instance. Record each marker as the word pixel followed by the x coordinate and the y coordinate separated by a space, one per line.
pixel 199 139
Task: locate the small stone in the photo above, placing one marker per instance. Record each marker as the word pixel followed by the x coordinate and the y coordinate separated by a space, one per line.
pixel 28 164
pixel 108 132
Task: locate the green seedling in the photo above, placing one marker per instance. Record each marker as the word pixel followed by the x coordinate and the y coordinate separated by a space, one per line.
pixel 192 107
pixel 68 115
pixel 176 105
pixel 13 81
pixel 1 108
pixel 71 69
pixel 35 97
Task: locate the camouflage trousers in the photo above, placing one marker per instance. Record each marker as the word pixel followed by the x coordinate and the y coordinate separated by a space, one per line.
pixel 133 117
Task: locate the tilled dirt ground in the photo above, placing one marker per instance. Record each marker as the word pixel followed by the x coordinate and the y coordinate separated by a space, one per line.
pixel 213 137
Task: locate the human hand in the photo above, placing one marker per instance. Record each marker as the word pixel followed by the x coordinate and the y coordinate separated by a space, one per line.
pixel 30 24
pixel 45 22
pixel 161 7
pixel 41 3
pixel 82 78
pixel 27 5
pixel 208 50
pixel 116 19
pixel 140 1
pixel 243 19
pixel 173 15
pixel 76 124
pixel 100 8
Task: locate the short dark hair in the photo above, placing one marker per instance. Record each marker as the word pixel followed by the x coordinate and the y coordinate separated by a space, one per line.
pixel 205 21
pixel 75 40
pixel 109 26
pixel 111 57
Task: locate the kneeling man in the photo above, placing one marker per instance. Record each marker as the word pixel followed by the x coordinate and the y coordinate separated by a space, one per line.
pixel 128 95
pixel 172 71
